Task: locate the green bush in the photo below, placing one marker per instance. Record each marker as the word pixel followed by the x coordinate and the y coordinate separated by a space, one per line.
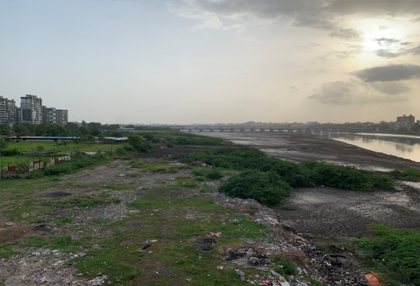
pixel 268 188
pixel 139 144
pixel 407 174
pixel 396 254
pixel 214 174
pixel 121 151
pixel 307 174
pixel 78 161
pixel 10 152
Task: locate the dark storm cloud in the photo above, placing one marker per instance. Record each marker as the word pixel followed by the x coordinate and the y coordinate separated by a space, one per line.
pixel 389 73
pixel 351 93
pixel 375 7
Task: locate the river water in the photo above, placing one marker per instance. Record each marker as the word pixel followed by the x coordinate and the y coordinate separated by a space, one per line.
pixel 404 146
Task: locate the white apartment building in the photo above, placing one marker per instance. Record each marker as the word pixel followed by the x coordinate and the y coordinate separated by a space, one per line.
pixel 30 109
pixel 7 111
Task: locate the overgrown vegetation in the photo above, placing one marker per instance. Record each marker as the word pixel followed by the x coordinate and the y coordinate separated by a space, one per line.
pixel 395 253
pixel 407 174
pixel 269 180
pixel 268 188
pixel 77 162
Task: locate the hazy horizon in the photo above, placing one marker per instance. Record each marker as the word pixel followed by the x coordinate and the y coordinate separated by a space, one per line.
pixel 209 61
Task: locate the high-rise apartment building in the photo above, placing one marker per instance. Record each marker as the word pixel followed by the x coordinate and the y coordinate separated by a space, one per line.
pixel 62 116
pixel 49 114
pixel 7 111
pixel 30 109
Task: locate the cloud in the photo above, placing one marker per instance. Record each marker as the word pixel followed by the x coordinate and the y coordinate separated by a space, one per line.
pixel 387 54
pixel 301 13
pixel 349 34
pixel 351 93
pixel 389 73
pixel 375 7
pixel 313 22
pixel 386 41
pixel 391 88
pixel 415 51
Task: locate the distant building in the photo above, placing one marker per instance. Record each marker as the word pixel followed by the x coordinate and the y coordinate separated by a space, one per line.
pixel 30 109
pixel 62 116
pixel 406 119
pixel 49 115
pixel 7 111
pixel 405 122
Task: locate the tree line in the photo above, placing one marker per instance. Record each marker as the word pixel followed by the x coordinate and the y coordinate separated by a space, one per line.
pixel 88 130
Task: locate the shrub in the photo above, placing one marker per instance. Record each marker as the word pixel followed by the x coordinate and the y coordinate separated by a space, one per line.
pixel 121 151
pixel 407 174
pixel 307 174
pixel 10 152
pixel 265 187
pixel 396 254
pixel 139 144
pixel 214 174
pixel 78 161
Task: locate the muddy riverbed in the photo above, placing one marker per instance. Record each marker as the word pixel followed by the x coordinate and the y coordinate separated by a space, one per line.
pixel 328 212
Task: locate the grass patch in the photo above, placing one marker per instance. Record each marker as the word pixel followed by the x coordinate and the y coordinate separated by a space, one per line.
pixel 395 253
pixel 410 174
pixel 184 183
pixel 78 161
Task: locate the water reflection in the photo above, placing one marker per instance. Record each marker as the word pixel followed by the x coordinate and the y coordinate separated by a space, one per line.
pixel 407 147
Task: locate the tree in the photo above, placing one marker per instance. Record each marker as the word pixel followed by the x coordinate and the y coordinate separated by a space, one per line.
pixel 139 144
pixel 3 144
pixel 4 129
pixel 72 129
pixel 20 130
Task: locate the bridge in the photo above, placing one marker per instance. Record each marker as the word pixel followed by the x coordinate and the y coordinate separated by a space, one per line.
pixel 292 129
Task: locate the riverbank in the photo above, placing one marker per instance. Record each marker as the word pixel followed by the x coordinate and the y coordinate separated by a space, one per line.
pixel 323 213
pixel 299 147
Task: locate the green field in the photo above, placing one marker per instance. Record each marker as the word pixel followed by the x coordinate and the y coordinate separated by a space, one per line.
pixel 58 147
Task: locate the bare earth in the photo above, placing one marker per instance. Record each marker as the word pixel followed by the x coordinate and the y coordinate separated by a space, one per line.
pixel 331 213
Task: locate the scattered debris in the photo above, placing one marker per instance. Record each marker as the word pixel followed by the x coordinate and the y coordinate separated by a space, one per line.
pixel 144 247
pixel 240 274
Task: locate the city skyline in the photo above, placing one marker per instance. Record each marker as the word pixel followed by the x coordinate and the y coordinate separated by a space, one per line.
pixel 208 61
pixel 31 110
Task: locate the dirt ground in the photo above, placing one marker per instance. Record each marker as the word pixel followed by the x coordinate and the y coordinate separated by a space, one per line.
pixel 327 212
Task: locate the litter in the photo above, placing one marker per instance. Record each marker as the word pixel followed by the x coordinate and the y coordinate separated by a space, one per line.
pixel 373 279
pixel 247 240
pixel 240 274
pixel 217 234
pixel 144 247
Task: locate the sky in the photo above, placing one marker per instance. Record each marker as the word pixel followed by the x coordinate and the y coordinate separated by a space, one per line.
pixel 214 61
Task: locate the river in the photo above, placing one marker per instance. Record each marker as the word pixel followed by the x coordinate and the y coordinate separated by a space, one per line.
pixel 404 146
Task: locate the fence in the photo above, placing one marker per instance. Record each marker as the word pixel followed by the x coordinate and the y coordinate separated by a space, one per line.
pixel 12 171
